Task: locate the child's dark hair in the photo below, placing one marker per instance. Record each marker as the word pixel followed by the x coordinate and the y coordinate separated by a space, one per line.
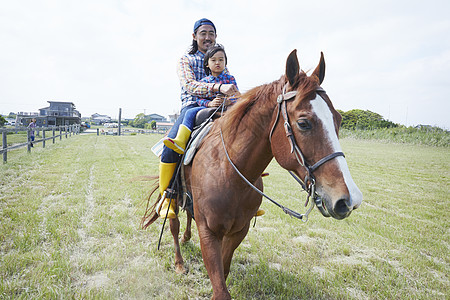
pixel 210 53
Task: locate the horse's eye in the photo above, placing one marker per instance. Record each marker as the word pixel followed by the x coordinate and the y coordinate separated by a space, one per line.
pixel 303 124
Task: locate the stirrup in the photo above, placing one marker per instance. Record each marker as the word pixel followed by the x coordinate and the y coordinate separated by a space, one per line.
pixel 163 197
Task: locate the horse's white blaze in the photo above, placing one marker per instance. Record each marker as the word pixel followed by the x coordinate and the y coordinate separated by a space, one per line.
pixel 323 112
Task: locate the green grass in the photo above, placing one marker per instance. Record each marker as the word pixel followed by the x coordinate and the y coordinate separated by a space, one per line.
pixel 69 218
pixel 16 138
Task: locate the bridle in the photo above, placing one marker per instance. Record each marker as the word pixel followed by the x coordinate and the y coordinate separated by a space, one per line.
pixel 309 183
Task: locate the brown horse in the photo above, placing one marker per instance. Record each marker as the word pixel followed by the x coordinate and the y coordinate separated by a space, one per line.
pixel 291 119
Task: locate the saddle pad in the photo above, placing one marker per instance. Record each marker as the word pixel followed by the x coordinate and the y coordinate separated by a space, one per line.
pixel 157 149
pixel 189 155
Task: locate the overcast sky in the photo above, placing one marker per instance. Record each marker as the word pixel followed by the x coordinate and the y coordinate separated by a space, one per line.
pixel 390 57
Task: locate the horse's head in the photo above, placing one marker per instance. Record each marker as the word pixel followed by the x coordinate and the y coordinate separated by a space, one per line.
pixel 309 146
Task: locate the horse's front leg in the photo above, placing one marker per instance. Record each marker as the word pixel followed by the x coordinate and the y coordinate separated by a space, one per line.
pixel 187 233
pixel 212 258
pixel 175 230
pixel 229 244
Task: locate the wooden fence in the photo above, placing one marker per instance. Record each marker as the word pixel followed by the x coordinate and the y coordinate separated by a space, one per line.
pixel 129 131
pixel 56 132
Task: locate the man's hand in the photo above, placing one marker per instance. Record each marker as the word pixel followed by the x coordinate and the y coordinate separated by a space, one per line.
pixel 229 90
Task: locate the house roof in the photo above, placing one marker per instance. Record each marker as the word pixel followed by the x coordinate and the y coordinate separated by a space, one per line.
pixel 156 116
pixel 61 102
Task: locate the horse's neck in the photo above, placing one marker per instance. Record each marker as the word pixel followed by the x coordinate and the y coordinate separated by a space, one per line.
pixel 251 150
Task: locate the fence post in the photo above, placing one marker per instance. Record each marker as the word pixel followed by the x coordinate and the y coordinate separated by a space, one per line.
pixel 60 132
pixel 53 129
pixel 5 155
pixel 98 131
pixel 43 138
pixel 65 128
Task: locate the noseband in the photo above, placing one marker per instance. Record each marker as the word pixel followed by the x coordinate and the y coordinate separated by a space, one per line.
pixel 309 183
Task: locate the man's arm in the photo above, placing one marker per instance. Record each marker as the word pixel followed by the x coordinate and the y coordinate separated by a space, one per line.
pixel 192 86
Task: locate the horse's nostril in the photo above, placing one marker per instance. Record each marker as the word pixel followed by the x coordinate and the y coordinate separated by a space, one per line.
pixel 341 208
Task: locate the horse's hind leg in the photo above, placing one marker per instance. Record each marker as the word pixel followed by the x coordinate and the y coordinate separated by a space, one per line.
pixel 175 230
pixel 187 233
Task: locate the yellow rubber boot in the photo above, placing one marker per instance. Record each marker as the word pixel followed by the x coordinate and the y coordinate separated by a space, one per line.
pixel 178 144
pixel 166 171
pixel 165 206
pixel 260 212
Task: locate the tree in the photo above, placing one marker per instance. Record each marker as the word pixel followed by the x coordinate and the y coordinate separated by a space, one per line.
pixel 364 119
pixel 139 121
pixel 2 121
pixel 153 125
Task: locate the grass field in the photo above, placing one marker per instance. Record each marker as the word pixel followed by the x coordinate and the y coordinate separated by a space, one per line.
pixel 70 213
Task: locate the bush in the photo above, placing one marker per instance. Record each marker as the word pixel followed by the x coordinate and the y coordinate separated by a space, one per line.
pixel 433 136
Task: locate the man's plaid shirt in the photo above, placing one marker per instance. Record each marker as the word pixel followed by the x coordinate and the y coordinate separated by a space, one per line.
pixel 190 72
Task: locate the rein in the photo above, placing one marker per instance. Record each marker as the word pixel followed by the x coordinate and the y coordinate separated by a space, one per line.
pixel 309 183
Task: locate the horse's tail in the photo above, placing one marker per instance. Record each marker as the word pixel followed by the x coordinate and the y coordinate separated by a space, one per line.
pixel 150 214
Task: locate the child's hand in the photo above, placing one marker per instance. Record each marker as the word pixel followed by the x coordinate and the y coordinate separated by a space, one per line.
pixel 218 101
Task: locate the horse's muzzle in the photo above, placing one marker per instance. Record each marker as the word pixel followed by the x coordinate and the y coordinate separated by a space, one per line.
pixel 340 209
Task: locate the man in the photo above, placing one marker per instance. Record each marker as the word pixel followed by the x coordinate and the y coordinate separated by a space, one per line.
pixel 32 125
pixel 190 71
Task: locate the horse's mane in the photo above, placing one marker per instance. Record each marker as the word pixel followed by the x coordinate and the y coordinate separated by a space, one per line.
pixel 262 95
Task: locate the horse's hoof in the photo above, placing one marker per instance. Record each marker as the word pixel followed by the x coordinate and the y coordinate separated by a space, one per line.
pixel 185 239
pixel 180 269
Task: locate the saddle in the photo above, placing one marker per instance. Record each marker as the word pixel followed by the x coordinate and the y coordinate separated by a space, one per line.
pixel 203 123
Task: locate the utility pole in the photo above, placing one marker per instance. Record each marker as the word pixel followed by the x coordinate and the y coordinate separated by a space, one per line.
pixel 120 120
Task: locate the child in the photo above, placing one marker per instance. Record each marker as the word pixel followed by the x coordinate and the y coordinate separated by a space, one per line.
pixel 215 62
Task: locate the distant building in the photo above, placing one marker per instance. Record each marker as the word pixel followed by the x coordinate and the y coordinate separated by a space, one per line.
pixel 163 125
pixel 56 114
pixel 99 119
pixel 156 117
pixel 173 117
pixel 421 126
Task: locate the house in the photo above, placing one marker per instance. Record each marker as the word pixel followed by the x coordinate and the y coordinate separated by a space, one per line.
pixel 421 126
pixel 173 117
pixel 99 119
pixel 155 117
pixel 163 125
pixel 56 114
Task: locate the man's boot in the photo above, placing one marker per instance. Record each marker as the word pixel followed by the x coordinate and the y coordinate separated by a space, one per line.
pixel 178 144
pixel 166 171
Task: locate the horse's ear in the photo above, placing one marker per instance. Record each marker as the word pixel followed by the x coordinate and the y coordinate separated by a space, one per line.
pixel 319 72
pixel 292 67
